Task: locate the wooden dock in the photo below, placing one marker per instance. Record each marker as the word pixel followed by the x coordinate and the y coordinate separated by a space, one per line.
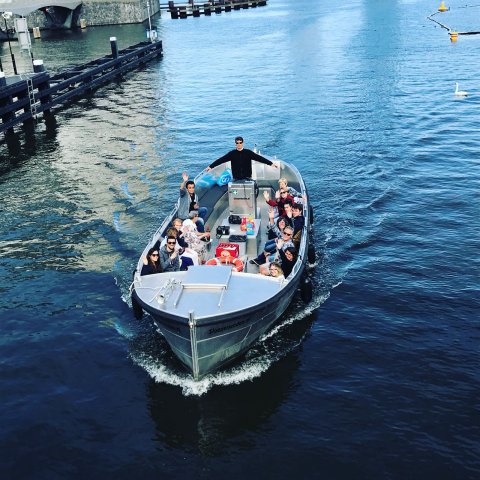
pixel 195 9
pixel 24 97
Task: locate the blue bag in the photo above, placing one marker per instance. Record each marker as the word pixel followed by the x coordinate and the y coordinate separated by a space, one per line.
pixel 225 177
pixel 207 181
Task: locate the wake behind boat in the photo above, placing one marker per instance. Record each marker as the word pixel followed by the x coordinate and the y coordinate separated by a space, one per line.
pixel 213 312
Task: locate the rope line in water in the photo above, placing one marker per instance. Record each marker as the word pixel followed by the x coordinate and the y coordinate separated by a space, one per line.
pixel 448 28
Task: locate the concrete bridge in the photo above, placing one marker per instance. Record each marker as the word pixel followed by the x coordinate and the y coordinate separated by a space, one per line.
pixel 24 7
pixel 65 13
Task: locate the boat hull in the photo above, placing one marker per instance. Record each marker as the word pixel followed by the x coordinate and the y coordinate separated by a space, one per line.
pixel 205 345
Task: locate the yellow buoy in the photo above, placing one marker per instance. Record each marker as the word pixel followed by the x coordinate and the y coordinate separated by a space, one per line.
pixel 442 7
pixel 453 36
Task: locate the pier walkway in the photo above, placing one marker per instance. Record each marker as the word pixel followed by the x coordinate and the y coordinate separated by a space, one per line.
pixel 195 9
pixel 24 97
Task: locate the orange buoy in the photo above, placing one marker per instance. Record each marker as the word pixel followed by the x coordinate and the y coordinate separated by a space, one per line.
pixel 453 36
pixel 236 263
pixel 442 7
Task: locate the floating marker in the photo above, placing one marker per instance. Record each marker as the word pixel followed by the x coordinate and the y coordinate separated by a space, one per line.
pixel 453 36
pixel 442 7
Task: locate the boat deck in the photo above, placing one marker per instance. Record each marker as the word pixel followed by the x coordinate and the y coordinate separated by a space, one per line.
pixel 247 250
pixel 222 292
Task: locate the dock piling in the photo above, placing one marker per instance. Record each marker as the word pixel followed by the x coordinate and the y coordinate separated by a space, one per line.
pixel 5 102
pixel 114 47
pixel 39 67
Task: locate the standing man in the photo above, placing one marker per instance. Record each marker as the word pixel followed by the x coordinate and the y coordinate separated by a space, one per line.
pixel 189 202
pixel 241 161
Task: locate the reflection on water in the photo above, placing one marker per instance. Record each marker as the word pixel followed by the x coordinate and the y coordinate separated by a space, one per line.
pixel 204 423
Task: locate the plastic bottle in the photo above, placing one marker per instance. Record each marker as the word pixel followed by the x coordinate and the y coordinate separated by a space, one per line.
pixel 250 226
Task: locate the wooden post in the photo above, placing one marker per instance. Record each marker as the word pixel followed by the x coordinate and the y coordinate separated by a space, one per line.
pixel 38 67
pixel 114 47
pixel 5 100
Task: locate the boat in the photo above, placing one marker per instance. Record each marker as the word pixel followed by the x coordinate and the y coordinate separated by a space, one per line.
pixel 211 315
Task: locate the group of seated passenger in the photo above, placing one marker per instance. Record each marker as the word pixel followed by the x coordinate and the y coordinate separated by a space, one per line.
pixel 185 245
pixel 281 249
pixel 284 195
pixel 182 246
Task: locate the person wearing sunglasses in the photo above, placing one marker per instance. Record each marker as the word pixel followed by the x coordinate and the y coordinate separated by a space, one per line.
pixel 241 161
pixel 151 264
pixel 283 185
pixel 285 197
pixel 169 258
pixel 270 252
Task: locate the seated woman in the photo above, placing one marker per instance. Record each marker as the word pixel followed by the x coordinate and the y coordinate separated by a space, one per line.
pixel 283 185
pixel 177 225
pixel 151 264
pixel 282 235
pixel 275 229
pixel 275 270
pixel 288 258
pixel 284 197
pixel 194 239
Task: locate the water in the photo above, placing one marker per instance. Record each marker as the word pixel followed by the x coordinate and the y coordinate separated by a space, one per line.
pixel 377 378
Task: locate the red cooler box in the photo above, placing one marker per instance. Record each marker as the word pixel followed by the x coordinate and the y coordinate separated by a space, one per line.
pixel 231 248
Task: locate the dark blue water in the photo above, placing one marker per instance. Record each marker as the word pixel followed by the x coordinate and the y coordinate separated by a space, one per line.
pixel 377 378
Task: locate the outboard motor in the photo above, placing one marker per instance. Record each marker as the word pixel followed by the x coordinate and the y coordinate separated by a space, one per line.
pixel 137 308
pixel 311 253
pixel 306 289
